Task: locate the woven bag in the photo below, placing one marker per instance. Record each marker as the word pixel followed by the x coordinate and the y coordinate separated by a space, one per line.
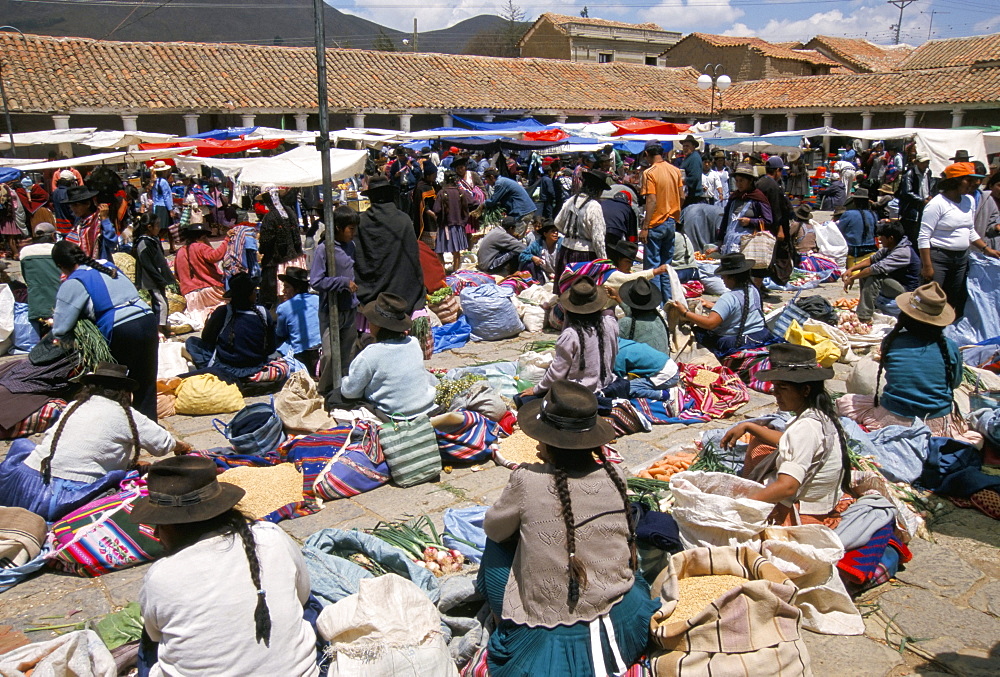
pixel 759 247
pixel 411 450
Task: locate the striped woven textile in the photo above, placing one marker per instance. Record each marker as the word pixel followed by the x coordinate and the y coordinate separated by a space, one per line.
pixel 656 412
pixel 816 263
pixel 461 279
pixel 272 372
pixel 861 564
pixel 599 270
pixel 473 441
pixel 518 282
pixel 746 364
pixel 38 422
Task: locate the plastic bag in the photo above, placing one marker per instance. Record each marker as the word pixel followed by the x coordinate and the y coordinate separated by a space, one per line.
pixel 482 398
pixel 25 336
pixel 533 317
pixel 827 352
pixel 712 509
pixel 204 394
pixel 531 366
pixel 466 524
pixel 981 320
pixel 490 312
pixel 387 629
pixel 830 241
pixel 75 654
pixel 170 360
pixel 6 315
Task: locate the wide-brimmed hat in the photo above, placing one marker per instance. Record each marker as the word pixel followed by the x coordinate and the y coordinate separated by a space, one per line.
pixel 79 194
pixel 718 152
pixel 860 196
pixel 690 139
pixel 380 183
pixel 839 211
pixel 623 249
pixel 566 418
pixel 886 189
pixel 957 170
pixel 241 285
pixel 794 364
pixel 594 177
pixel 961 156
pixel 734 264
pixel 640 295
pixel 584 296
pixel 196 229
pixel 184 489
pixel 927 304
pixel 293 275
pixel 745 170
pixel 160 166
pixel 388 311
pixel 111 375
pixel 803 213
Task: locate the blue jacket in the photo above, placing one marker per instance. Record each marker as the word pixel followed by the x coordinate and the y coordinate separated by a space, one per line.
pixel 639 359
pixel 858 228
pixel 511 195
pixel 298 322
pixel 535 248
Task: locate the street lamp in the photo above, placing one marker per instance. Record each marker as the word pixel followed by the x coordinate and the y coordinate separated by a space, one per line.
pixel 711 79
pixel 3 95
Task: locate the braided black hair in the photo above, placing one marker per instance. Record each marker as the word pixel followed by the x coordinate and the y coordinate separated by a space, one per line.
pixel 921 329
pixel 820 400
pixel 577 572
pixel 122 397
pixel 743 283
pixel 586 324
pixel 66 255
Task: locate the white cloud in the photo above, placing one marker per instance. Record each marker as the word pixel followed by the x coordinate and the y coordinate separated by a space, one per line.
pixel 692 15
pixel 871 23
pixel 436 14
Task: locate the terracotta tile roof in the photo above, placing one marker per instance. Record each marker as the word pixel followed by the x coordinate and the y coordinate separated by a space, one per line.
pixel 876 90
pixel 954 52
pixel 794 44
pixel 75 74
pixel 862 55
pixel 763 47
pixel 559 19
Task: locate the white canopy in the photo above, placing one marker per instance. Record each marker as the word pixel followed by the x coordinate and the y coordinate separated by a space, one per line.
pixel 296 168
pixel 105 159
pixel 87 136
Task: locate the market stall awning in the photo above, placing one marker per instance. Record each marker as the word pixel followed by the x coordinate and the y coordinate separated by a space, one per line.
pixel 225 134
pixel 523 124
pixel 640 126
pixel 547 135
pixel 492 144
pixel 120 157
pixel 301 167
pixel 212 147
pixel 87 136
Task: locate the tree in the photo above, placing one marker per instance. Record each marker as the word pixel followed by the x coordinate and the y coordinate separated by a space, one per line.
pixel 502 42
pixel 383 42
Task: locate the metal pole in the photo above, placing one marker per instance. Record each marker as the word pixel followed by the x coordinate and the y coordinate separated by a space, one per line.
pixel 3 95
pixel 323 145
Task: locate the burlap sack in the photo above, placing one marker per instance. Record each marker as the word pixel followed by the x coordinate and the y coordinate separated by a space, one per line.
pixel 300 406
pixel 749 630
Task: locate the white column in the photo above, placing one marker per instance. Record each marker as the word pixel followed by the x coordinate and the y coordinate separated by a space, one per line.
pixel 827 122
pixel 758 123
pixel 956 117
pixel 447 120
pixel 866 120
pixel 129 123
pixel 488 118
pixel 62 122
pixel 692 121
pixel 358 120
pixel 561 119
pixel 790 119
pixel 911 118
pixel 190 123
pixel 404 122
pixel 248 120
pixel 302 122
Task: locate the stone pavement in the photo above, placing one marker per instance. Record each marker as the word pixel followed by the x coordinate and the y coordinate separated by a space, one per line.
pixel 942 615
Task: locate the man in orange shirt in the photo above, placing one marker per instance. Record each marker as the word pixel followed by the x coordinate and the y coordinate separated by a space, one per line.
pixel 663 187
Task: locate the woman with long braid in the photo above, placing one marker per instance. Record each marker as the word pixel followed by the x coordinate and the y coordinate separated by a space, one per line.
pixel 95 443
pixel 228 599
pixel 806 468
pixel 921 368
pixel 587 347
pixel 559 567
pixel 98 291
pixel 581 222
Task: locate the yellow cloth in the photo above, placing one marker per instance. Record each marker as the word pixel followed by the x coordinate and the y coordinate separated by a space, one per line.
pixel 827 352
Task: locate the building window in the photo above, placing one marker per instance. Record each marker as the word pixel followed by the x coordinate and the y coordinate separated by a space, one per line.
pixel 651 61
pixel 605 57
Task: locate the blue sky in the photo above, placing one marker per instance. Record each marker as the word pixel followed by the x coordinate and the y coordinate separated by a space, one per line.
pixel 776 20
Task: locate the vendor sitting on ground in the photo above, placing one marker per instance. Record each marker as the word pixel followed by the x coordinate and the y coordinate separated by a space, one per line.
pixel 566 598
pixel 499 250
pixel 890 271
pixel 297 326
pixel 622 255
pixel 803 468
pixel 238 339
pixel 736 321
pixel 95 443
pixel 389 374
pixel 643 321
pixel 654 372
pixel 242 614
pixel 539 258
pixel 922 368
pixel 802 230
pixel 587 347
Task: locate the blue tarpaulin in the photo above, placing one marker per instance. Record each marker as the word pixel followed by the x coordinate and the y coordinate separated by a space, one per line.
pixel 225 134
pixel 9 174
pixel 525 124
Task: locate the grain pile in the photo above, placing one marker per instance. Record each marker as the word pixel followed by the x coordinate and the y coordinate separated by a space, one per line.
pixel 268 488
pixel 697 592
pixel 519 449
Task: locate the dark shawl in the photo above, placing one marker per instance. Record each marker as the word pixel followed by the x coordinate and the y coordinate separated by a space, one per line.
pixel 387 258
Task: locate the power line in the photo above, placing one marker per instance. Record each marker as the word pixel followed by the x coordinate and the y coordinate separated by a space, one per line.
pixel 902 4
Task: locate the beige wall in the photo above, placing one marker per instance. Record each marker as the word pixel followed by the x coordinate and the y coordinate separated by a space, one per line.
pixel 587 49
pixel 546 43
pixel 739 63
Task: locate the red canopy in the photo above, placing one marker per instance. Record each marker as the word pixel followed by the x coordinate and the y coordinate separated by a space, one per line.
pixel 638 126
pixel 213 147
pixel 546 135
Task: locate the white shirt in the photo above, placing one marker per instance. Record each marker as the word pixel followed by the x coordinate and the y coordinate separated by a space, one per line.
pixel 582 227
pixel 711 186
pixel 722 176
pixel 96 440
pixel 809 451
pixel 947 225
pixel 199 605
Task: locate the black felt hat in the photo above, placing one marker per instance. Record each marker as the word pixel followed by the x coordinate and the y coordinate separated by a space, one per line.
pixel 640 295
pixel 388 311
pixel 111 375
pixel 583 297
pixel 566 418
pixel 298 277
pixel 184 489
pixel 734 264
pixel 794 364
pixel 79 194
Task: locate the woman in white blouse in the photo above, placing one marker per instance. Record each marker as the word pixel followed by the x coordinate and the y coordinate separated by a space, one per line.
pixel 947 229
pixel 805 469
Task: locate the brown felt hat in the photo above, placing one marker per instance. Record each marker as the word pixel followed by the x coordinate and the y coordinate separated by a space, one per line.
pixel 927 304
pixel 640 295
pixel 584 296
pixel 110 375
pixel 388 311
pixel 793 364
pixel 184 489
pixel 566 418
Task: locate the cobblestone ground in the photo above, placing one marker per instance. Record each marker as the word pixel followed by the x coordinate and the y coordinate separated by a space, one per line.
pixel 941 616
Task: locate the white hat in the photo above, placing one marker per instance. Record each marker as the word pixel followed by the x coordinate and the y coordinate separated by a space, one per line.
pixel 923 157
pixel 160 166
pixel 67 175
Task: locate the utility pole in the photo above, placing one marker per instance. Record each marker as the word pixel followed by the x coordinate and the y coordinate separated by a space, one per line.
pixel 323 146
pixel 902 4
pixel 930 26
pixel 414 34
